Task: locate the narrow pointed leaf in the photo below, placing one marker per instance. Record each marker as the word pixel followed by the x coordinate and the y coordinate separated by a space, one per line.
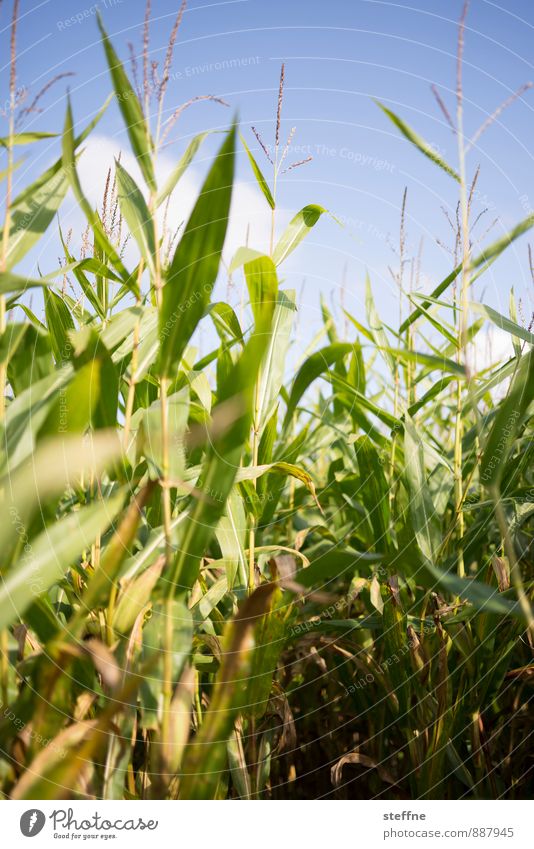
pixel 136 214
pixel 130 108
pixel 419 142
pixel 506 324
pixel 297 230
pixel 262 285
pixel 316 365
pixel 69 163
pixel 181 167
pixel 195 264
pixel 507 422
pixel 52 553
pixel 26 138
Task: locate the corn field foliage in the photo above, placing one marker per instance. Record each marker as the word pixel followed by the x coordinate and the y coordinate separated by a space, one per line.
pixel 221 580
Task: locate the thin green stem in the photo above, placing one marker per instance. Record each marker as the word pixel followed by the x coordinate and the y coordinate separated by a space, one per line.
pixel 167 684
pixel 255 452
pixel 463 316
pixel 256 423
pixel 5 242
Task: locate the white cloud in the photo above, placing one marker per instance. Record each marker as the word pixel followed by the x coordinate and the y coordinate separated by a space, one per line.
pixel 491 348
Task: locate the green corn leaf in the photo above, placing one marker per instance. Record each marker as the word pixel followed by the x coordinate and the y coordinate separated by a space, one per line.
pixel 419 142
pixel 10 340
pixel 34 208
pixel 504 323
pixel 262 182
pixel 222 459
pixel 60 322
pixel 482 596
pixel 181 167
pixel 231 533
pixel 238 764
pixel 85 285
pixel 315 366
pixel 26 415
pixel 424 520
pixel 10 282
pixel 270 638
pixel 15 167
pixel 242 256
pixel 69 164
pixel 225 321
pixel 135 595
pixel 150 438
pixel 52 553
pixel 136 214
pixel 121 325
pixel 209 601
pixel 131 111
pixel 205 757
pixel 25 138
pixel 332 563
pixel 375 490
pixel 297 229
pixel 154 653
pixel 442 287
pixel 376 327
pixel 360 400
pixel 482 262
pixel 513 316
pixel 44 476
pixel 262 285
pixel 248 473
pixel 32 214
pixel 430 362
pixel 274 362
pixel 421 506
pixel 507 422
pixel 71 412
pixel 430 395
pixel 496 248
pixel 30 191
pixel 439 325
pixel 89 350
pixel 359 327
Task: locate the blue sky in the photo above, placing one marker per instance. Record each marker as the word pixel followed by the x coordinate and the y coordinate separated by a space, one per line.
pixel 339 56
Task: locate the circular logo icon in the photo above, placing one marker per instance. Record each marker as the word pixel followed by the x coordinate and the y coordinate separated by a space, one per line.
pixel 32 822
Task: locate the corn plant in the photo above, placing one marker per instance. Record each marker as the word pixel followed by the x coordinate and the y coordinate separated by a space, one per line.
pixel 221 581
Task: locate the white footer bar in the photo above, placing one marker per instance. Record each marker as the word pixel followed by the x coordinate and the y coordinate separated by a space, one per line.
pixel 269 824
